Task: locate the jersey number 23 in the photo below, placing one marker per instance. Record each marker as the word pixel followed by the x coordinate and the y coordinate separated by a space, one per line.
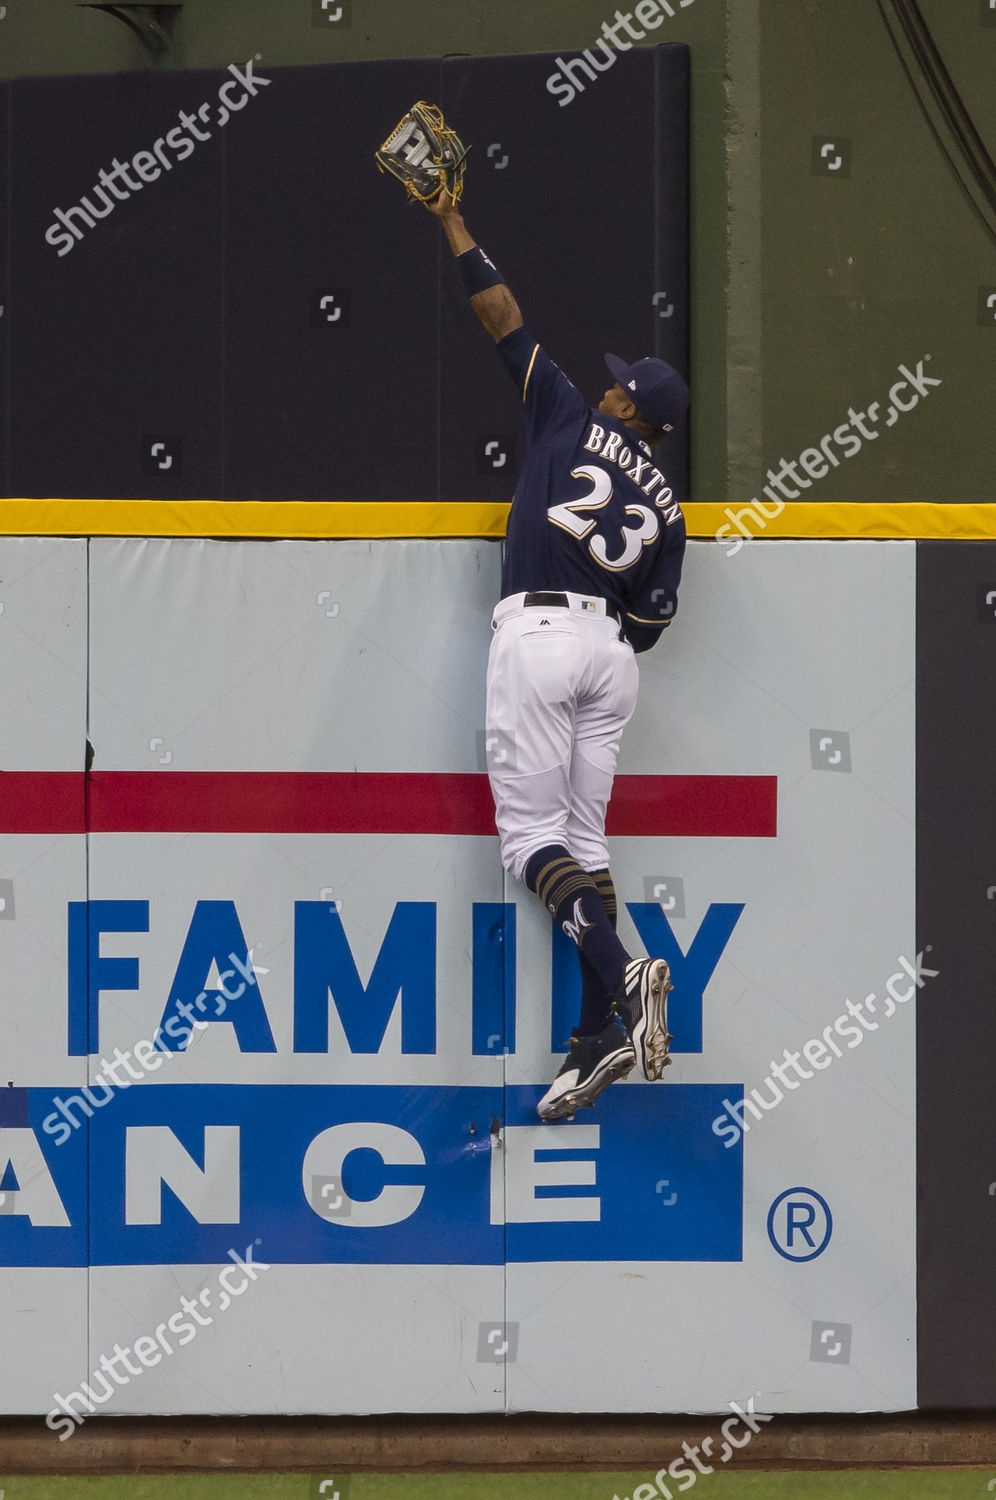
pixel 569 517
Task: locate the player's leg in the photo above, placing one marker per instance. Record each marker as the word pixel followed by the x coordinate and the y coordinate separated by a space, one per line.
pixel 600 1052
pixel 533 674
pixel 596 996
pixel 606 703
pixel 573 901
pixel 529 733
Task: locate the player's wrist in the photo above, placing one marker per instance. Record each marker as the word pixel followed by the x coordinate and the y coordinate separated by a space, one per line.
pixel 477 272
pixel 442 206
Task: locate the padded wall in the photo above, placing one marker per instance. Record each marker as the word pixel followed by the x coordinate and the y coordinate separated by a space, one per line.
pixel 288 759
pixel 265 317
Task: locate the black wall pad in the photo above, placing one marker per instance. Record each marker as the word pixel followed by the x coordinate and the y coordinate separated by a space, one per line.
pixel 116 343
pixel 242 307
pixel 5 101
pixel 956 1018
pixel 565 199
pixel 336 401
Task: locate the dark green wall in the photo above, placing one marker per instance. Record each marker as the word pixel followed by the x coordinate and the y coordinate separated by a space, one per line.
pixel 808 290
pixel 882 267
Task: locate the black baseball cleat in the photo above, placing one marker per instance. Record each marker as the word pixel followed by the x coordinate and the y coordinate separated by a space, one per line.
pixel 591 1065
pixel 641 1005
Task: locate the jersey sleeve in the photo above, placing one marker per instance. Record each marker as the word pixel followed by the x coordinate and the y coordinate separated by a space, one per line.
pixel 652 608
pixel 550 399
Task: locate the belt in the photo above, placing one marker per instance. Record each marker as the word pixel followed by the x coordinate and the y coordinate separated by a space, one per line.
pixel 561 601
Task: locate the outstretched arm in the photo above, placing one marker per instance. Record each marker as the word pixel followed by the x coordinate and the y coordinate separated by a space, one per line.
pixel 495 306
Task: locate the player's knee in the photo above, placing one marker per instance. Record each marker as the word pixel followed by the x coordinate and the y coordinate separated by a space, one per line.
pixel 590 853
pixel 516 851
pixel 514 854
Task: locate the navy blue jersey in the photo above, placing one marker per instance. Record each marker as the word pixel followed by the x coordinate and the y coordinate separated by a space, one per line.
pixel 591 513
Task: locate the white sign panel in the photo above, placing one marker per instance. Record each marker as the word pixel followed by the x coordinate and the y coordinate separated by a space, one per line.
pixel 316 1017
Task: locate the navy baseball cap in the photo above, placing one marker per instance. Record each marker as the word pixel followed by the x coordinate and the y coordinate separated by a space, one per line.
pixel 658 391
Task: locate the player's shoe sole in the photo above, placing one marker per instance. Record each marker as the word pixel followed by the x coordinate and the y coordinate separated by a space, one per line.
pixel 584 1075
pixel 642 1007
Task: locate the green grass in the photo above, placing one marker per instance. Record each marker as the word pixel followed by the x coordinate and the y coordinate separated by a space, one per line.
pixel 922 1484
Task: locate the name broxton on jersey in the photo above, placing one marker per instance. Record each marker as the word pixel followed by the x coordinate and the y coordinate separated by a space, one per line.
pixel 611 446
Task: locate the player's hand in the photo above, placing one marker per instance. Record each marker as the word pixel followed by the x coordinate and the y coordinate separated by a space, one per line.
pixel 442 205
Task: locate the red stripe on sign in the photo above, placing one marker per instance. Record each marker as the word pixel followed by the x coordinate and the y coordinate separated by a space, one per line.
pixel 289 802
pixel 42 802
pixel 743 807
pixel 360 802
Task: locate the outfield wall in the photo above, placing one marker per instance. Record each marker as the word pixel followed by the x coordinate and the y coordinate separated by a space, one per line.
pixel 288 757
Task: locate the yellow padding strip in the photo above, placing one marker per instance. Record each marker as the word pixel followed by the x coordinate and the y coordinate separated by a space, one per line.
pixel 912 519
pixel 251 518
pixel 346 518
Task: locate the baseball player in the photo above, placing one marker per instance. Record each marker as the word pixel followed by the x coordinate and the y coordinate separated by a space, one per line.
pixel 593 557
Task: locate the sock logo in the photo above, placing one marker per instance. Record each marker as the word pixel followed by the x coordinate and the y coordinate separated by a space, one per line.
pixel 575 928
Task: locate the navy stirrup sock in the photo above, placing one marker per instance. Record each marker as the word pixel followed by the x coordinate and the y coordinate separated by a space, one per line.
pixel 573 899
pixel 596 1000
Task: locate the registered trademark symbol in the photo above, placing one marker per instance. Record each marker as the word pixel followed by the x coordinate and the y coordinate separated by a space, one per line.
pixel 794 1212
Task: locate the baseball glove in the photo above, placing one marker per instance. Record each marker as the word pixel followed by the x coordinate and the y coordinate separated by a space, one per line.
pixel 424 154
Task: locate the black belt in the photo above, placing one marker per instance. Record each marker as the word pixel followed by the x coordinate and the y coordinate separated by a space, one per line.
pixel 561 601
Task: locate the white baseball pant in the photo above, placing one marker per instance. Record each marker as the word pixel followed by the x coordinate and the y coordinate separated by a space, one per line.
pixel 559 696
